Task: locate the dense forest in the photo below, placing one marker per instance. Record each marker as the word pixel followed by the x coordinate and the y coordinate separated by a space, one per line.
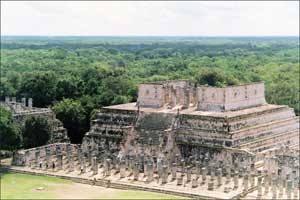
pixel 78 75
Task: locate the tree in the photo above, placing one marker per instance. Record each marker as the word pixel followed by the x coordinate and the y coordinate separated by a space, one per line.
pixel 211 77
pixel 36 132
pixel 10 137
pixel 40 86
pixel 73 116
pixel 6 89
pixel 68 88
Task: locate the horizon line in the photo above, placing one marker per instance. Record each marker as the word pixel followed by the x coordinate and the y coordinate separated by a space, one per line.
pixel 150 35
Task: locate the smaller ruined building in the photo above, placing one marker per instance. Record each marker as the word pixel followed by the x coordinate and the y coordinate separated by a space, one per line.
pixel 24 109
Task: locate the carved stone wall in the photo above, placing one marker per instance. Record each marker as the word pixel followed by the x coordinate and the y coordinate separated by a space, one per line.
pixel 231 97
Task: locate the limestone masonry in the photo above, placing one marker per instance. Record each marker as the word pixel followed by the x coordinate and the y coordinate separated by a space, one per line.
pixel 24 109
pixel 178 138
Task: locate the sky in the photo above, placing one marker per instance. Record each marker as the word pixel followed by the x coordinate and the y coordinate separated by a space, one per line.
pixel 158 18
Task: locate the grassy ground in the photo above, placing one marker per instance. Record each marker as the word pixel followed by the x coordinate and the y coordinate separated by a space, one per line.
pixel 24 186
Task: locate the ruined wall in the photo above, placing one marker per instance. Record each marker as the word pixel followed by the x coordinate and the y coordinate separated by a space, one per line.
pixel 239 97
pixel 231 97
pixel 151 95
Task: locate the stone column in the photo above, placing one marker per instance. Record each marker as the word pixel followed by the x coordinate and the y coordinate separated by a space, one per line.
pixel 203 173
pixel 210 185
pixel 30 102
pixel 7 101
pixel 70 163
pixel 266 182
pixel 83 164
pixel 47 158
pixel 150 171
pixel 194 182
pixel 23 100
pixel 188 174
pixel 228 175
pixel 197 166
pixel 236 180
pixel 95 165
pixel 59 159
pixel 107 167
pixel 246 182
pixel 289 189
pixel 259 187
pixel 136 171
pixel 219 177
pixel 180 180
pixel 122 169
pixel 274 188
pixel 27 159
pixel 174 171
pixel 165 174
pixel 37 159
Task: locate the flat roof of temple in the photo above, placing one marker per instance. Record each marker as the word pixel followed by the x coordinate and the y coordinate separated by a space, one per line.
pixel 193 111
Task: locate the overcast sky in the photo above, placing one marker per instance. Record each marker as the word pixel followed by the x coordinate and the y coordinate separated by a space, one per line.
pixel 150 18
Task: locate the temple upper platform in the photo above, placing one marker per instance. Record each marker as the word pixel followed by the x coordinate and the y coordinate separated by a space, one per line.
pixel 183 94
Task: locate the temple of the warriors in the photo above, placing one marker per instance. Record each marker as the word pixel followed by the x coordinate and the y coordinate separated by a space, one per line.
pixel 186 120
pixel 183 139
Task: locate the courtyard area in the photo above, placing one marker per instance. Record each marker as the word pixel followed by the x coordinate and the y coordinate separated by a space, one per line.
pixel 24 186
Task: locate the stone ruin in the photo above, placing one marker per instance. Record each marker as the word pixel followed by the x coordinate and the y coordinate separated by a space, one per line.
pixel 195 141
pixel 24 109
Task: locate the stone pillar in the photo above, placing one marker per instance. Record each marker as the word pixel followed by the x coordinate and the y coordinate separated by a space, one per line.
pixel 203 173
pixel 174 171
pixel 7 101
pixel 289 189
pixel 164 174
pixel 266 182
pixel 14 100
pixel 246 182
pixel 228 175
pixel 27 155
pixel 95 165
pixel 107 167
pixel 236 180
pixel 274 188
pixel 136 171
pixel 180 180
pixel 219 177
pixel 259 187
pixel 194 182
pixel 188 174
pixel 252 179
pixel 59 165
pixel 47 158
pixel 122 169
pixel 295 190
pixel 182 166
pixel 37 158
pixel 210 185
pixel 197 166
pixel 70 163
pixel 30 102
pixel 150 171
pixel 23 100
pixel 83 164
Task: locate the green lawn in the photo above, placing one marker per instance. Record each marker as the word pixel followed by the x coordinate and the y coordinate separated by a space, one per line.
pixel 24 186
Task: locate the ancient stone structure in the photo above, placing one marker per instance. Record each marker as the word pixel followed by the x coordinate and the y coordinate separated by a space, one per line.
pixel 22 110
pixel 197 141
pixel 176 117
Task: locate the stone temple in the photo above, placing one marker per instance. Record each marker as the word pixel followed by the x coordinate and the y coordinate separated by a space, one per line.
pixel 183 139
pixel 182 118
